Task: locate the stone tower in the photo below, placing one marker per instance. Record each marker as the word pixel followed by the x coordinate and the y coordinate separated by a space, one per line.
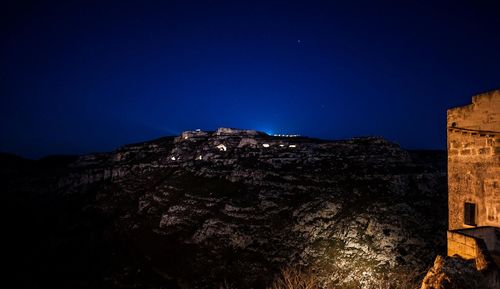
pixel 473 133
pixel 474 163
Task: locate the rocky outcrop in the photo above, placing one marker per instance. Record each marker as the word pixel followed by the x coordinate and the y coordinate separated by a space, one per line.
pixel 454 273
pixel 236 206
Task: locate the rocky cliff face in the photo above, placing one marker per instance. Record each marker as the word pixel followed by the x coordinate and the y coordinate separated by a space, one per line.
pixel 229 206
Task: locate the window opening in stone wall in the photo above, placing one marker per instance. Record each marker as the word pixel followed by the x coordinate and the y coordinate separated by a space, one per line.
pixel 470 214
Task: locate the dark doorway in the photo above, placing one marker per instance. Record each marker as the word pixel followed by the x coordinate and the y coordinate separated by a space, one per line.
pixel 470 214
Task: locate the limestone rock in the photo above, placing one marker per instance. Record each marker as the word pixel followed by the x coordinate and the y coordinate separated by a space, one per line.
pixel 454 273
pixel 183 210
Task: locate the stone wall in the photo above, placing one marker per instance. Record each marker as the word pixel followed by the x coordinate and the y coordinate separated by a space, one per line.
pixel 472 244
pixel 462 245
pixel 482 114
pixel 490 236
pixel 474 160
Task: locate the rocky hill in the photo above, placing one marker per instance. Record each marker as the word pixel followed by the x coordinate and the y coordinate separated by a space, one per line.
pixel 225 207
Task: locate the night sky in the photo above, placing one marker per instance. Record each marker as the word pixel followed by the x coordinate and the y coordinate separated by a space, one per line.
pixel 80 77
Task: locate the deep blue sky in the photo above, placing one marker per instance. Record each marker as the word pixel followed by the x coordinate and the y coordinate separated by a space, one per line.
pixel 78 77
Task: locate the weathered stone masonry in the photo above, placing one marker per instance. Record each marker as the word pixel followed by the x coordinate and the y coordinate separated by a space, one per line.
pixel 474 161
pixel 473 133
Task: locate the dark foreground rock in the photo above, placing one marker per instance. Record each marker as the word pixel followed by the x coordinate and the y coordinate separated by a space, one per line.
pixel 231 207
pixel 454 273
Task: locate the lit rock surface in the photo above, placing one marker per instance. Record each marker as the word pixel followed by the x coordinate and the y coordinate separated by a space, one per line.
pixel 454 273
pixel 183 213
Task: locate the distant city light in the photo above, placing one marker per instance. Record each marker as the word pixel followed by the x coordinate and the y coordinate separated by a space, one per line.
pixel 266 145
pixel 286 135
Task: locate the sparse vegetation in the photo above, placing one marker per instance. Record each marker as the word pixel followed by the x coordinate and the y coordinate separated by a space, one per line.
pixel 297 278
pixel 293 278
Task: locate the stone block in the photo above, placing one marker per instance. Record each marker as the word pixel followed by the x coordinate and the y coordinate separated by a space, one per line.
pixel 459 238
pixel 465 152
pixel 484 151
pixel 470 252
pixel 470 242
pixel 480 142
pixel 452 244
pixel 453 248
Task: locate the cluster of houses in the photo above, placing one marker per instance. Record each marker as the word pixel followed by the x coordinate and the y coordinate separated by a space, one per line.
pixel 230 137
